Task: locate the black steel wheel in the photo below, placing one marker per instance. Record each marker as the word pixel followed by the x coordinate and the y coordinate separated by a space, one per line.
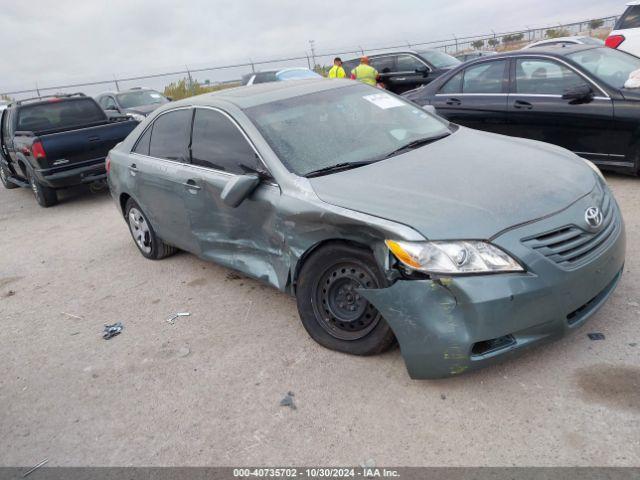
pixel 345 313
pixel 331 307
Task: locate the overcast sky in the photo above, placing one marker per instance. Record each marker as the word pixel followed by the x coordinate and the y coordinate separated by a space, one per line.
pixel 64 41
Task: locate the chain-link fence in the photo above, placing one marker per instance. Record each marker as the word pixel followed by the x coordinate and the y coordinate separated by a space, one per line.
pixel 232 72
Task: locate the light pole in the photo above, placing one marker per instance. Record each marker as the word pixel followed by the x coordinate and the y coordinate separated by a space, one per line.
pixel 312 44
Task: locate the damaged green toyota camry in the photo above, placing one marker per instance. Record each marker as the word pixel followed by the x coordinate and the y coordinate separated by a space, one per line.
pixel 386 222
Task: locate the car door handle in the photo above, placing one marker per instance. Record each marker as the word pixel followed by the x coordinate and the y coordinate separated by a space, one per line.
pixel 454 102
pixel 192 186
pixel 522 105
pixel 133 169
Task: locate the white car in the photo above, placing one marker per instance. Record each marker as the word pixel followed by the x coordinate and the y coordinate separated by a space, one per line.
pixel 626 33
pixel 562 41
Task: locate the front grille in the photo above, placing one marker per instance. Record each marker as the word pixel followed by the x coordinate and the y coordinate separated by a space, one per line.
pixel 570 246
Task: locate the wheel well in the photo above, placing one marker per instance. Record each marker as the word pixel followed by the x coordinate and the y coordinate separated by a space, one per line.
pixel 331 241
pixel 124 198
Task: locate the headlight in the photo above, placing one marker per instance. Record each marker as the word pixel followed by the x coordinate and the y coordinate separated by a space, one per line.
pixel 462 257
pixel 136 116
pixel 595 168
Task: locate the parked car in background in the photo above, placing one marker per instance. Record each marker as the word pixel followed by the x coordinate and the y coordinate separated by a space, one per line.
pixel 570 96
pixel 278 75
pixel 48 143
pixel 136 102
pixel 406 70
pixel 626 32
pixel 385 222
pixel 565 41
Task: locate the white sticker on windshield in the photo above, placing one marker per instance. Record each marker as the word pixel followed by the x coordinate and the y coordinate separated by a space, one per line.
pixel 383 100
pixel 154 95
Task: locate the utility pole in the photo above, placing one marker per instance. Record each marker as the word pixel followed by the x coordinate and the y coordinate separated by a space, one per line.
pixel 37 90
pixel 189 75
pixel 456 40
pixel 313 52
pixel 115 80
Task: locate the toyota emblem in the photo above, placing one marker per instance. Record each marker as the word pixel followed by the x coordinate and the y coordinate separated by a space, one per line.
pixel 594 217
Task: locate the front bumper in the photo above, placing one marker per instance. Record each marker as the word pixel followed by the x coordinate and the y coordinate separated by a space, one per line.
pixel 75 174
pixel 449 326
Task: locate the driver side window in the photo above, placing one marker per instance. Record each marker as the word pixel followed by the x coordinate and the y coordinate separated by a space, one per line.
pixel 544 77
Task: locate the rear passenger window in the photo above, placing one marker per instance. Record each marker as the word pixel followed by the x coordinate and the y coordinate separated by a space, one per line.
pixel 217 143
pixel 454 85
pixel 170 136
pixel 486 77
pixel 142 147
pixel 630 18
pixel 544 77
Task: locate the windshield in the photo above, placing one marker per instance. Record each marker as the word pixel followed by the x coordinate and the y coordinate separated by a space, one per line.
pixel 296 74
pixel 140 98
pixel 611 66
pixel 344 125
pixel 439 59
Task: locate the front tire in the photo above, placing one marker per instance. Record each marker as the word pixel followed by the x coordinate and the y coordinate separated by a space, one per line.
pixel 150 245
pixel 330 307
pixel 45 196
pixel 4 177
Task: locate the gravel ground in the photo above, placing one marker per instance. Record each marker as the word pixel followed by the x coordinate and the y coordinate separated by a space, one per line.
pixel 207 390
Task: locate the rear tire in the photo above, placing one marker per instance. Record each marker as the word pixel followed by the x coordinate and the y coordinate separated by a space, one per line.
pixel 45 196
pixel 4 177
pixel 150 245
pixel 332 311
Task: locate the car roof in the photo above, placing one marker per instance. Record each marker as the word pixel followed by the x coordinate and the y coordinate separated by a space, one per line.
pixel 133 89
pixel 553 50
pixel 259 94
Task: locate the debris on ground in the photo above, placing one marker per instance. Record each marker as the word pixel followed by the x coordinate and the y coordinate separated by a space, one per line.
pixel 72 315
pixel 287 401
pixel 234 276
pixel 595 336
pixel 184 351
pixel 33 469
pixel 633 344
pixel 368 463
pixel 172 318
pixel 111 331
pixel 633 304
pixel 10 293
pixel 74 333
pixel 443 396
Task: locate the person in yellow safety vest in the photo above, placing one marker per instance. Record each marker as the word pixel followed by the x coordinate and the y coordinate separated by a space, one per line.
pixel 365 73
pixel 337 71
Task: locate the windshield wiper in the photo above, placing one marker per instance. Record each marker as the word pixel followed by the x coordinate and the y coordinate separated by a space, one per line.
pixel 421 142
pixel 338 168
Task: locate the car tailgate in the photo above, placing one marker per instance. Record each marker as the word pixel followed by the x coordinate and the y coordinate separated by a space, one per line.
pixel 81 145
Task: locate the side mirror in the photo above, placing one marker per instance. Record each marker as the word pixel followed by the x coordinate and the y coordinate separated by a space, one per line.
pixel 430 109
pixel 423 70
pixel 579 93
pixel 169 98
pixel 239 188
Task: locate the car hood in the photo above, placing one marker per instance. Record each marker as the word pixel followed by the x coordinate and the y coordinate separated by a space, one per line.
pixel 143 109
pixel 469 185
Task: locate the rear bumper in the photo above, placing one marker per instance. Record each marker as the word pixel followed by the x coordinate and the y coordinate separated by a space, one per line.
pixel 70 175
pixel 450 326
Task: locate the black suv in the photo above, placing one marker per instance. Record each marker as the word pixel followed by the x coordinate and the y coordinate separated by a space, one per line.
pixel 402 71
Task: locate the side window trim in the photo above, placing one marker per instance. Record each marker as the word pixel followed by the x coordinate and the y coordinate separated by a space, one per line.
pixel 229 117
pixel 235 123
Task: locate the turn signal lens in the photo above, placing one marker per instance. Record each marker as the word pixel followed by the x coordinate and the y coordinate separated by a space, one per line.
pixel 453 258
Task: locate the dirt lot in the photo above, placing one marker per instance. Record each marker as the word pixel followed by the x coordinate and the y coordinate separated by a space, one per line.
pixel 206 390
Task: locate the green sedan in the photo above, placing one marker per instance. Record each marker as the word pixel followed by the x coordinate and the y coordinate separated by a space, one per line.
pixel 386 222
